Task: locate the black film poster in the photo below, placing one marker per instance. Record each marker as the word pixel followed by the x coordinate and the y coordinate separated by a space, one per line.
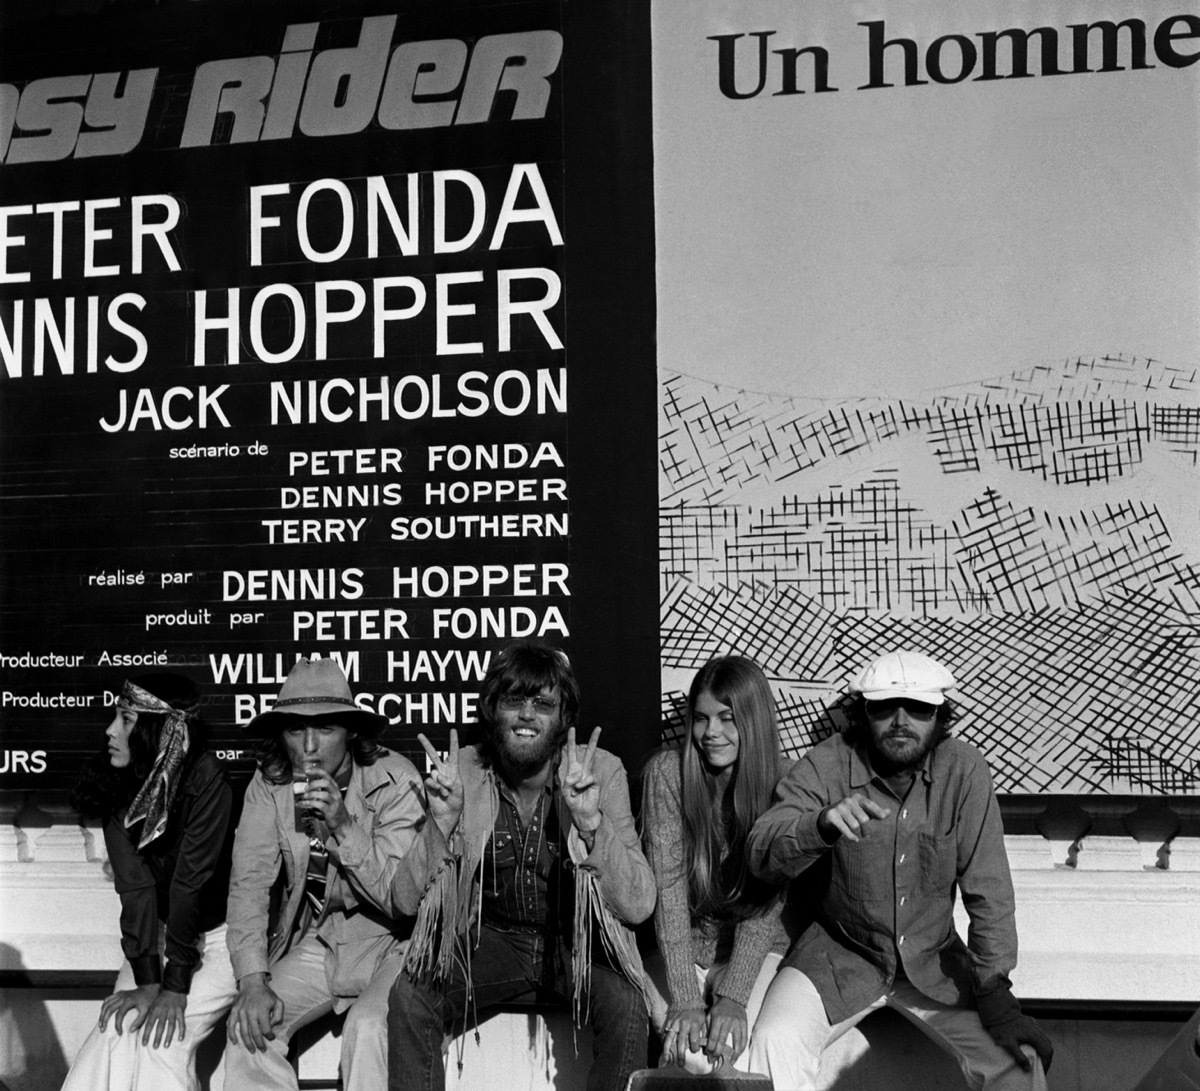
pixel 322 332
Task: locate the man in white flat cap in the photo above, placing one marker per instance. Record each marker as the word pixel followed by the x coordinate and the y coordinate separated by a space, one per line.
pixel 894 816
pixel 330 812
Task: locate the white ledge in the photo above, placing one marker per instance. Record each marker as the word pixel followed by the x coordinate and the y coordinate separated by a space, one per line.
pixel 1098 919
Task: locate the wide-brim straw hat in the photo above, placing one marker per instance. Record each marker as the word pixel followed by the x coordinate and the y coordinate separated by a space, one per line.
pixel 317 687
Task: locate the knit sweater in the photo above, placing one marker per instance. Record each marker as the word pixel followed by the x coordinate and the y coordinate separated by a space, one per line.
pixel 686 941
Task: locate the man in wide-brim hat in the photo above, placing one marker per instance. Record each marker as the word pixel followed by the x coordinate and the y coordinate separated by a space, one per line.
pixel 335 811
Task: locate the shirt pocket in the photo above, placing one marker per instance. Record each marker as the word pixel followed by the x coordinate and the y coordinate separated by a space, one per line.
pixel 502 852
pixel 938 856
pixel 553 858
pixel 863 868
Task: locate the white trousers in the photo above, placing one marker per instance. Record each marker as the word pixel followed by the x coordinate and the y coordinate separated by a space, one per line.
pixel 656 981
pixel 792 1030
pixel 299 980
pixel 108 1061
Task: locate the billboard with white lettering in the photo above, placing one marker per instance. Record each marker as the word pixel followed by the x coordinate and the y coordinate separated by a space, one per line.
pixel 313 330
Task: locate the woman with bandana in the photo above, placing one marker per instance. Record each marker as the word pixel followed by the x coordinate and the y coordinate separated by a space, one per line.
pixel 165 803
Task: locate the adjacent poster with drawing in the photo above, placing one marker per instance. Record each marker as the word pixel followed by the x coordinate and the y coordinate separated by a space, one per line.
pixel 929 325
pixel 306 349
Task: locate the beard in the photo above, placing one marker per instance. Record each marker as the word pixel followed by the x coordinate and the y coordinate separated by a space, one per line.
pixel 524 756
pixel 900 750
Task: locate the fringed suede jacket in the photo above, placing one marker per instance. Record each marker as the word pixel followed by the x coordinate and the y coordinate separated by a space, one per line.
pixel 440 880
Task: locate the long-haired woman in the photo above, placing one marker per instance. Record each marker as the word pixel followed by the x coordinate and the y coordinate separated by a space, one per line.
pixel 720 933
pixel 165 804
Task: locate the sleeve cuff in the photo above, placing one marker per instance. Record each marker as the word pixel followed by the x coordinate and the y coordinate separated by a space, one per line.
pixel 996 1003
pixel 147 970
pixel 808 833
pixel 576 848
pixel 736 989
pixel 352 849
pixel 177 978
pixel 248 962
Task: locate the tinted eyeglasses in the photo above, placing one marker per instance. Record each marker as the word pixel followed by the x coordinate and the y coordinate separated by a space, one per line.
pixel 515 702
pixel 916 710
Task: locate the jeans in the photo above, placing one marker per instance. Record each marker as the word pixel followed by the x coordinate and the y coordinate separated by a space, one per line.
pixel 508 968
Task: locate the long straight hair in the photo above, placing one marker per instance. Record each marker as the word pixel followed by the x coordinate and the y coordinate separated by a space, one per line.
pixel 275 763
pixel 715 826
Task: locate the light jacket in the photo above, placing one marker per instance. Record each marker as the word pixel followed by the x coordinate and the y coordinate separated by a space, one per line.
pixel 440 880
pixel 385 804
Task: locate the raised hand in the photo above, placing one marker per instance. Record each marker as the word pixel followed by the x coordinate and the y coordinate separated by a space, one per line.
pixel 443 785
pixel 324 800
pixel 849 818
pixel 580 787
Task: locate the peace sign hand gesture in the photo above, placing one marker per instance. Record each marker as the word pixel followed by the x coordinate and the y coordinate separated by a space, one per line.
pixel 443 785
pixel 580 787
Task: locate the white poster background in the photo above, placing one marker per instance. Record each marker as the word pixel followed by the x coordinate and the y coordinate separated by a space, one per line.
pixel 928 358
pixel 919 236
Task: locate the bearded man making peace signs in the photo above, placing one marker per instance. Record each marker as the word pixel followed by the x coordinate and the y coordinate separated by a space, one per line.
pixel 529 850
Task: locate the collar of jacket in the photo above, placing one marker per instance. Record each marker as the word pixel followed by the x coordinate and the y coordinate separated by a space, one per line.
pixel 386 770
pixel 489 777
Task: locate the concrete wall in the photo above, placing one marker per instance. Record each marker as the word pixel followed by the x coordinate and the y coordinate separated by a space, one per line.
pixel 1101 920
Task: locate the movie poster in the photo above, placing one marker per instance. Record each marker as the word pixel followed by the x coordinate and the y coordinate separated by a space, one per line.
pixel 308 348
pixel 929 328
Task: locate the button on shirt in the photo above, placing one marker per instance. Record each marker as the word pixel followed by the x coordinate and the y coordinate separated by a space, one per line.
pixel 523 888
pixel 885 906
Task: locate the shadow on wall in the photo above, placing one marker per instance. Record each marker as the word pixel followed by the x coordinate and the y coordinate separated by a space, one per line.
pixel 30 1052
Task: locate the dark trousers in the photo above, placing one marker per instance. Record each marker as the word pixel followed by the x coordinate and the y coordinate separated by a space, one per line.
pixel 507 968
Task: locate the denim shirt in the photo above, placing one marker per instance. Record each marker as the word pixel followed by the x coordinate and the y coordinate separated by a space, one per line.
pixel 614 876
pixel 525 888
pixel 886 902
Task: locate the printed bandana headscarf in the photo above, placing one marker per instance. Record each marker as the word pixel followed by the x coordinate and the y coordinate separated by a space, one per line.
pixel 154 798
